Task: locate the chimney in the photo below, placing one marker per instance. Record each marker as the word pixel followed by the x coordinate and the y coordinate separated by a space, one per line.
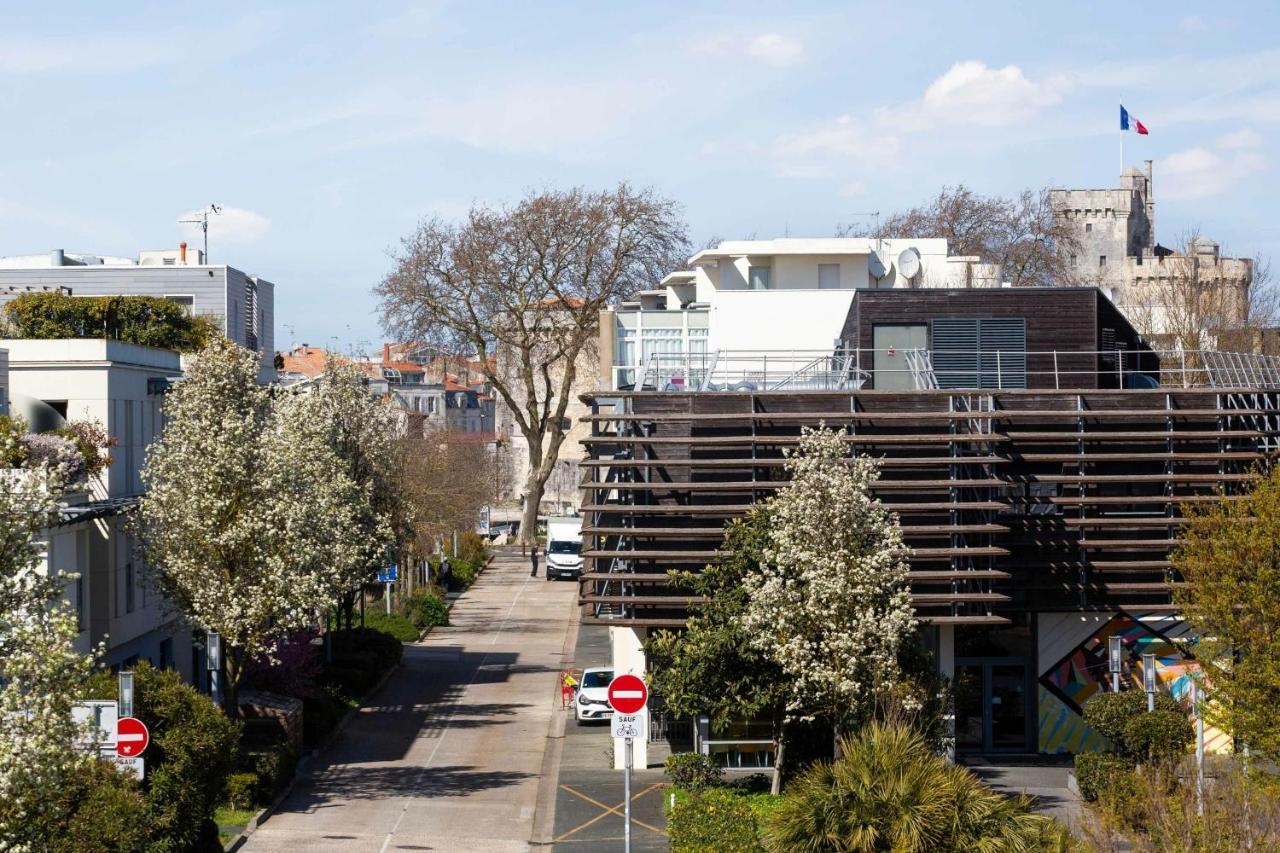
pixel 182 253
pixel 56 257
pixel 386 352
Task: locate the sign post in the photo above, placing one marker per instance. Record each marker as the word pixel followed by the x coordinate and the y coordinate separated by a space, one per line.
pixel 628 695
pixel 388 576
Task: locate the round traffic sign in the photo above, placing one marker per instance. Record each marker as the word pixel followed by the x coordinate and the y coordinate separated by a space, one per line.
pixel 132 737
pixel 628 694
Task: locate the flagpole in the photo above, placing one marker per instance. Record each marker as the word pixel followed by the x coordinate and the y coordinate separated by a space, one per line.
pixel 1122 145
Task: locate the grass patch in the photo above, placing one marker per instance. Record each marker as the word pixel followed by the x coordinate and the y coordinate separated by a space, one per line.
pixel 231 822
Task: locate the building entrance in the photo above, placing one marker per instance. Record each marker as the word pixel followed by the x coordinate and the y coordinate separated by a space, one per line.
pixel 991 700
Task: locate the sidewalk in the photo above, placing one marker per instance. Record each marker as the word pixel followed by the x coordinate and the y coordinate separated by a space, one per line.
pixel 446 756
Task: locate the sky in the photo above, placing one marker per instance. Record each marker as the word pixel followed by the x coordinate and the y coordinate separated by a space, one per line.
pixel 328 130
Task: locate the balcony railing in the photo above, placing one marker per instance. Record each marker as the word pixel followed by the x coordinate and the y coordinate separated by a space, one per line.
pixel 853 369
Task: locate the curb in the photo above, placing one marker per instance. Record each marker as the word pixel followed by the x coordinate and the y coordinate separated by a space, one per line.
pixel 544 811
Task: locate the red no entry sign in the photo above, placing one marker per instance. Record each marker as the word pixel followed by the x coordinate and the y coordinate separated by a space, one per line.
pixel 627 694
pixel 132 737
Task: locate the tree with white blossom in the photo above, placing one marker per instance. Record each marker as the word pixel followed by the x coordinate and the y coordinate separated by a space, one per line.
pixel 829 602
pixel 251 521
pixel 41 673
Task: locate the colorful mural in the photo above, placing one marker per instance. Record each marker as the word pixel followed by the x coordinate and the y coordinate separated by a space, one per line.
pixel 1082 673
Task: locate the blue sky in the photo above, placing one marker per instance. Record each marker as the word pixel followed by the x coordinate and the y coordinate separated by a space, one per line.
pixel 328 129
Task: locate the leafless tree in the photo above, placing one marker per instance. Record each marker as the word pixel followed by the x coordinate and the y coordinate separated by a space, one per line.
pixel 1196 299
pixel 526 284
pixel 445 482
pixel 1020 234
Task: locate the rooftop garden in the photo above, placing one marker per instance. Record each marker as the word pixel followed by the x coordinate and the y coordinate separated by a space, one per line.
pixel 148 321
pixel 78 450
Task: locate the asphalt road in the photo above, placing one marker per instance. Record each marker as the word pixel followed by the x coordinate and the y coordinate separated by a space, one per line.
pixel 449 754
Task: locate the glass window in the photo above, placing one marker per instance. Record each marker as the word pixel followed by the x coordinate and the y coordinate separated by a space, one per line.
pixel 599 678
pixel 828 276
pixel 758 278
pixel 1102 260
pixel 560 546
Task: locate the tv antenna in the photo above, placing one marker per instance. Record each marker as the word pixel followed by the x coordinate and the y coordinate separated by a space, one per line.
pixel 203 222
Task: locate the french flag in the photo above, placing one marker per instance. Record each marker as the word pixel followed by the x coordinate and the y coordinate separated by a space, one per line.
pixel 1128 122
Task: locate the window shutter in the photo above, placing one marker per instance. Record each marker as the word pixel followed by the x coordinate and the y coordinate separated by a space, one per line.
pixel 1008 337
pixel 965 352
pixel 955 345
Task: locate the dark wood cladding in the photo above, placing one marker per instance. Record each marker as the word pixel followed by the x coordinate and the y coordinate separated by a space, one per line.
pixel 1010 500
pixel 1076 323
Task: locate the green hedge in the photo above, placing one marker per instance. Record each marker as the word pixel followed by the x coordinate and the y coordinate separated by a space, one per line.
pixel 693 771
pixel 1109 713
pixel 242 790
pixel 94 808
pixel 426 608
pixel 1097 772
pixel 718 819
pixel 396 625
pixel 144 320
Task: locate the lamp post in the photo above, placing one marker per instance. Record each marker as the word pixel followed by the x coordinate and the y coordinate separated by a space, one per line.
pixel 1149 679
pixel 213 662
pixel 1115 653
pixel 125 700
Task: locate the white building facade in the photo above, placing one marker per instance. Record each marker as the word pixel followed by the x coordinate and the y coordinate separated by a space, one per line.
pixel 121 386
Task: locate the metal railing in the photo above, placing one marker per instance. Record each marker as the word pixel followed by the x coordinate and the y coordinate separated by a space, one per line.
pixel 852 369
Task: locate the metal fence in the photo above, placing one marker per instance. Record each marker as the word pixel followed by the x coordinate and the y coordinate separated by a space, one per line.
pixel 852 369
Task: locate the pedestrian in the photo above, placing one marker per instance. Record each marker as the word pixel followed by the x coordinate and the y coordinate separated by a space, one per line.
pixel 533 559
pixel 568 686
pixel 446 572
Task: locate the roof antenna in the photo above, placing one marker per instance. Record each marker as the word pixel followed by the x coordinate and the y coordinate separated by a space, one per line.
pixel 203 222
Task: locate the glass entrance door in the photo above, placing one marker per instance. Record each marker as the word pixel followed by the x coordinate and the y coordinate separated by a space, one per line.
pixel 991 705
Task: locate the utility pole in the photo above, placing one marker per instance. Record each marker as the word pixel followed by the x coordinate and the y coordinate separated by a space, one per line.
pixel 203 222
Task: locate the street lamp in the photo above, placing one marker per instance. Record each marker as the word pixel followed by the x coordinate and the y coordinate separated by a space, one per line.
pixel 213 662
pixel 1149 679
pixel 1115 652
pixel 126 694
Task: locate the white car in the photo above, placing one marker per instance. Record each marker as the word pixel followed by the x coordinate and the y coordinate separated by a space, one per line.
pixel 592 702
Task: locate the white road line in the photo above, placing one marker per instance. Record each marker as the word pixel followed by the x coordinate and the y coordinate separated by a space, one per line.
pixel 417 780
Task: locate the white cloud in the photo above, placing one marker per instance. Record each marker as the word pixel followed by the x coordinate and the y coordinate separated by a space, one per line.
pixel 1243 138
pixel 770 48
pixel 972 93
pixel 776 50
pixel 840 145
pixel 233 225
pixel 1202 172
pixel 106 52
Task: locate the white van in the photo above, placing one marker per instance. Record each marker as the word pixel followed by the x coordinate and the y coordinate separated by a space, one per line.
pixel 564 547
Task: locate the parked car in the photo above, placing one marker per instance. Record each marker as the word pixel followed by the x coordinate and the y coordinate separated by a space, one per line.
pixel 592 702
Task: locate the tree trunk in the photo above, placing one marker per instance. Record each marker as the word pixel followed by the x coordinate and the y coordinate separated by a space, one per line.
pixel 233 671
pixel 532 499
pixel 780 726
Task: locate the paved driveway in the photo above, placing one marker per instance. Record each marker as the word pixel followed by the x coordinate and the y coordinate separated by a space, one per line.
pixel 447 755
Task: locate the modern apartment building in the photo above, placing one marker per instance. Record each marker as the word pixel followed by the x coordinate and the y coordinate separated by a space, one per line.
pixel 783 295
pixel 242 304
pixel 121 386
pixel 1039 453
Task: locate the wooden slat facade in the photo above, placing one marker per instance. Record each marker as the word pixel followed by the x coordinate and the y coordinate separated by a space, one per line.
pixel 1012 501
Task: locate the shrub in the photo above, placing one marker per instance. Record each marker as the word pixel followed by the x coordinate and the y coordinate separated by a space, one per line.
pixel 473 547
pixel 97 808
pixel 1158 735
pixel 889 788
pixel 242 790
pixel 693 771
pixel 1109 713
pixel 713 819
pixel 273 768
pixel 320 715
pixel 1096 771
pixel 55 452
pixel 192 752
pixel 144 320
pixel 94 442
pixel 426 608
pixel 464 572
pixel 396 625
pixel 387 650
pixel 12 451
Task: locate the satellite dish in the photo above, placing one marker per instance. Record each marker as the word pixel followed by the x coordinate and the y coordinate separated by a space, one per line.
pixel 909 263
pixel 877 267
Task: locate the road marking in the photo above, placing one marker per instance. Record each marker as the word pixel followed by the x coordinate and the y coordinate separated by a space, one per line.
pixel 453 712
pixel 608 810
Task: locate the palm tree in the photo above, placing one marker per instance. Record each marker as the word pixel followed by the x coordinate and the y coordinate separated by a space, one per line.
pixel 888 791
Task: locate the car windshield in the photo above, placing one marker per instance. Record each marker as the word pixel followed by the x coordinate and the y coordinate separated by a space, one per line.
pixel 563 547
pixel 599 678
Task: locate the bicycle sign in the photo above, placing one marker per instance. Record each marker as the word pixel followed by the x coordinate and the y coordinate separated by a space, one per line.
pixel 629 725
